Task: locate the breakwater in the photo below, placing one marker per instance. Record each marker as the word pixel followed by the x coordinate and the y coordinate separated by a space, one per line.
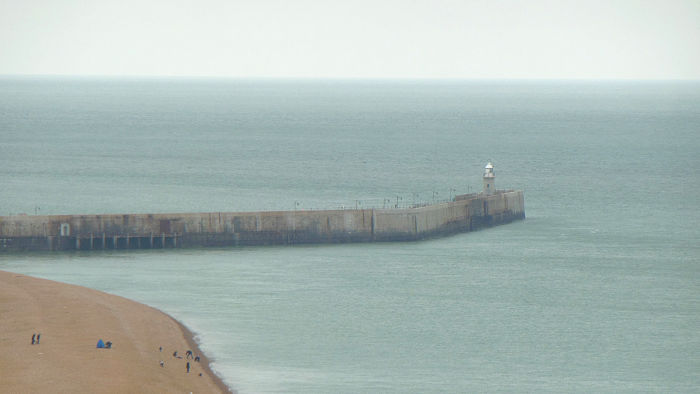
pixel 182 230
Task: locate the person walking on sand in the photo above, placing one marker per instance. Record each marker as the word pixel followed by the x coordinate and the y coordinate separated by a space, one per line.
pixel 188 354
pixel 175 354
pixel 33 338
pixel 38 338
pixel 188 367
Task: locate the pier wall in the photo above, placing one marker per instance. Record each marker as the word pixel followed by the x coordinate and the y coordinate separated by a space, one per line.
pixel 141 231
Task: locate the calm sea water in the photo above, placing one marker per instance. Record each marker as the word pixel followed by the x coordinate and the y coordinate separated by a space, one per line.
pixel 597 291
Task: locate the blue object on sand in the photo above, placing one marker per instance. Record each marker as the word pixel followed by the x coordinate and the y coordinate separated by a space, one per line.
pixel 100 344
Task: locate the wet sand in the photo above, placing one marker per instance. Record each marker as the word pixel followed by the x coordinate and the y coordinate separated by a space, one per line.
pixel 71 319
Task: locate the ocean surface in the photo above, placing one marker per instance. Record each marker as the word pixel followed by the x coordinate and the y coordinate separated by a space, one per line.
pixel 598 290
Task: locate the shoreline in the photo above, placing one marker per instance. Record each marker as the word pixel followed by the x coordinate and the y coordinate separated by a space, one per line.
pixel 205 361
pixel 70 319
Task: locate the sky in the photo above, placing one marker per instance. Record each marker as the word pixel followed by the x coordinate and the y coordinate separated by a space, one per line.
pixel 493 39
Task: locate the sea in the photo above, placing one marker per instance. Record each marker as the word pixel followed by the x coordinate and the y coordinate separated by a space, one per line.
pixel 597 290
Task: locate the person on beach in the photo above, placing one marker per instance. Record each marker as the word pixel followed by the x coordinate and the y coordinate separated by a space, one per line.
pixel 175 354
pixel 188 354
pixel 196 359
pixel 33 338
pixel 162 363
pixel 160 349
pixel 188 367
pixel 38 338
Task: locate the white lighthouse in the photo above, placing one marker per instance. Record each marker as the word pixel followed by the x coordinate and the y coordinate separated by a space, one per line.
pixel 489 180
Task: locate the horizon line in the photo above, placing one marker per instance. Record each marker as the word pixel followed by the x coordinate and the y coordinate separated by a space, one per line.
pixel 346 78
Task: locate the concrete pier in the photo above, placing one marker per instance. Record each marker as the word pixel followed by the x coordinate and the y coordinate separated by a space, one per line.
pixel 156 231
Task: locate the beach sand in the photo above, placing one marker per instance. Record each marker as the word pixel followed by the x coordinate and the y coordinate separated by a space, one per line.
pixel 71 319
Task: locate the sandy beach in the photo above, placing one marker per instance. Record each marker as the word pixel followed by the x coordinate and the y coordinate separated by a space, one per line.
pixel 71 319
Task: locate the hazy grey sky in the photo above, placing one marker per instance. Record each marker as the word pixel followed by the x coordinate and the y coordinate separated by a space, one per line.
pixel 359 38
